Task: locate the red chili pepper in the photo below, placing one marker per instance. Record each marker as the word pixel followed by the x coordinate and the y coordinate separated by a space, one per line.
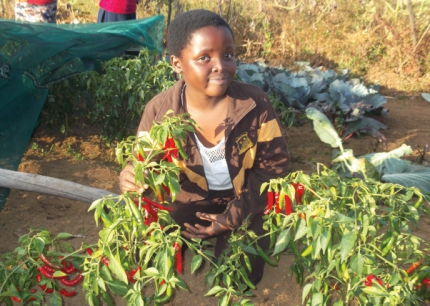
pixel 300 190
pixel 166 189
pixel 68 267
pixel 49 269
pixel 426 281
pixel 288 205
pixel 270 201
pixel 72 282
pixel 105 260
pixel 178 256
pixel 89 251
pixel 129 277
pixel 43 287
pixel 156 205
pixel 130 274
pixel 277 207
pixel 47 262
pixel 16 299
pixel 150 214
pixel 66 293
pixel 335 287
pixel 140 157
pixel 48 274
pixel 372 277
pixel 413 267
pixel 170 149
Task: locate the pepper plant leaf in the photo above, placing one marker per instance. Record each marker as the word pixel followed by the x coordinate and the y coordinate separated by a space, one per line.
pixel 196 263
pixel 346 244
pixel 55 299
pixel 116 268
pixel 282 242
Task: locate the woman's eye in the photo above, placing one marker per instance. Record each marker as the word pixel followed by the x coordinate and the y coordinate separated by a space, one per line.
pixel 203 58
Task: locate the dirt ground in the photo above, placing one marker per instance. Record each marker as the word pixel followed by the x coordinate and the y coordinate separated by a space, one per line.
pixel 83 158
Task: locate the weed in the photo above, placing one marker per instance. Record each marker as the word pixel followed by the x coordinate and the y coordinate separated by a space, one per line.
pixel 77 155
pixel 41 151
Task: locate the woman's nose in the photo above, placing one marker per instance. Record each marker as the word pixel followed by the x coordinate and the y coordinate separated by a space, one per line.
pixel 219 65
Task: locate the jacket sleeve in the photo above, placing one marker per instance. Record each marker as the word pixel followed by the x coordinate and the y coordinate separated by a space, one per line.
pixel 271 161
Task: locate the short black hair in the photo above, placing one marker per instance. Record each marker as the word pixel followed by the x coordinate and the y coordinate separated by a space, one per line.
pixel 185 24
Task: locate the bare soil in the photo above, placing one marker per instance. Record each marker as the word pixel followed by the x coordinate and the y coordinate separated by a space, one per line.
pixel 83 158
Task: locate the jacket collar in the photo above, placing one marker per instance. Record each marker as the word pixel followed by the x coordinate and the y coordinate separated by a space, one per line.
pixel 240 103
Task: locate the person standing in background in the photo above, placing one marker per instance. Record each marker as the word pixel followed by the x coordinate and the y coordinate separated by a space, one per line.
pixel 36 11
pixel 117 10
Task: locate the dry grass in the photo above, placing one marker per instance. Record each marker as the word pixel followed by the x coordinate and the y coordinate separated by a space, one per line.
pixel 371 38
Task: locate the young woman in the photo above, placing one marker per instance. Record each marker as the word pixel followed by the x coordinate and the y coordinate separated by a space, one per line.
pixel 117 10
pixel 239 144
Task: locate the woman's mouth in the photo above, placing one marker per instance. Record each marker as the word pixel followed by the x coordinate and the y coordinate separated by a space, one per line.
pixel 219 80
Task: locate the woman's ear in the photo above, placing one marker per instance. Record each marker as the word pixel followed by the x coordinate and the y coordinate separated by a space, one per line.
pixel 176 64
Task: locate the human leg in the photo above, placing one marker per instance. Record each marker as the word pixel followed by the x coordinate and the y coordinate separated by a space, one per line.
pixel 257 263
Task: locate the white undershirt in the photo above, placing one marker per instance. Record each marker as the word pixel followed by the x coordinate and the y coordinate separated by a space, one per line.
pixel 215 165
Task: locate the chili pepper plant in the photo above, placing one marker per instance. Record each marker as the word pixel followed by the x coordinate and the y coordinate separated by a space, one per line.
pixel 43 265
pixel 352 239
pixel 140 244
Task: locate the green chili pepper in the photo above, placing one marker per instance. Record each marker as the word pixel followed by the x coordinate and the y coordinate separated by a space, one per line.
pixel 105 218
pixel 419 202
pixel 135 212
pixel 298 270
pixel 180 149
pixel 106 297
pixel 387 237
pixel 273 231
pixel 265 257
pixel 166 297
pixel 389 245
pixel 293 246
pixel 172 193
pixel 246 278
pixel 307 251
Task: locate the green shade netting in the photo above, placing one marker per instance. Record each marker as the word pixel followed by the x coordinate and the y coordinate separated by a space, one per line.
pixel 34 55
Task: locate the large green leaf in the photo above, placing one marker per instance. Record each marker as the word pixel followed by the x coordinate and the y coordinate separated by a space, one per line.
pixel 196 263
pixel 117 287
pixel 414 176
pixel 346 244
pixel 398 171
pixel 116 268
pixel 55 299
pixel 390 162
pixel 282 242
pixel 324 128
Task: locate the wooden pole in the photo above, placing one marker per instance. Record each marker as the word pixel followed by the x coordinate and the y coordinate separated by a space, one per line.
pixel 49 185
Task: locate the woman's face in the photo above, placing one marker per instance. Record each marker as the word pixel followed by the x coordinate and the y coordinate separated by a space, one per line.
pixel 207 63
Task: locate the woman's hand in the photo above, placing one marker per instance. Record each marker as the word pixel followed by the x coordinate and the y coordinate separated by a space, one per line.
pixel 218 226
pixel 126 180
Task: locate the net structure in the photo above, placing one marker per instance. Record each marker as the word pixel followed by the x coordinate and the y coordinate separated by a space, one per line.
pixel 34 55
